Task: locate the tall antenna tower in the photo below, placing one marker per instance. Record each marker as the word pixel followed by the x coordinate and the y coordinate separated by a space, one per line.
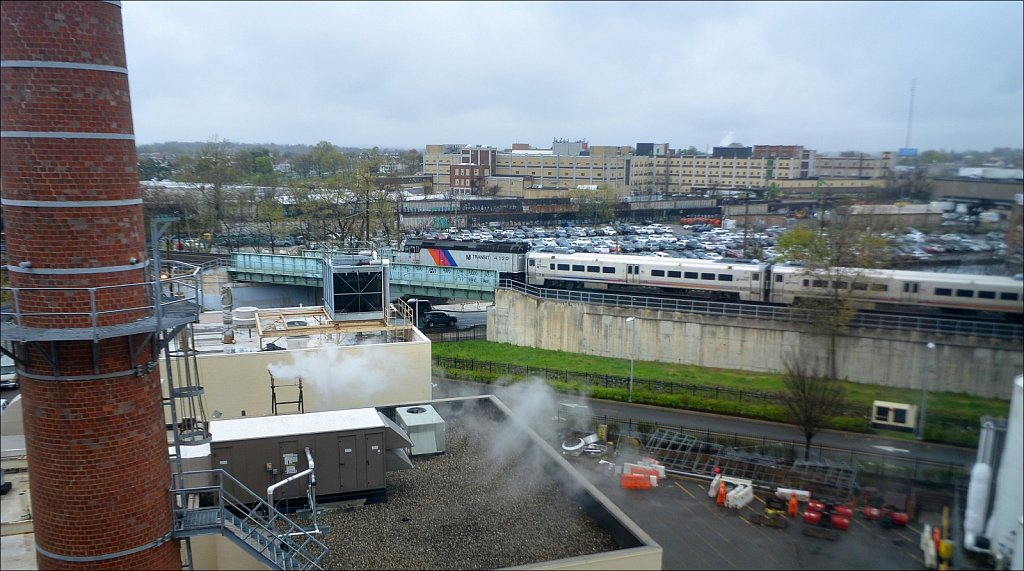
pixel 910 112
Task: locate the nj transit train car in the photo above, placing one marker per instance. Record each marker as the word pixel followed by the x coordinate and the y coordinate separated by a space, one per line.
pixel 746 281
pixel 508 259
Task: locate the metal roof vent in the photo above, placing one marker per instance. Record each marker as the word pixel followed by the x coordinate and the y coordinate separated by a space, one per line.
pixel 425 428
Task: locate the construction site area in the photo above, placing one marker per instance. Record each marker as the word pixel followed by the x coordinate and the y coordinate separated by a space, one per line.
pixel 716 506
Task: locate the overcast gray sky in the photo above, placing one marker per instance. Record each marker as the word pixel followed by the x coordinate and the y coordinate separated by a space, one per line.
pixel 830 76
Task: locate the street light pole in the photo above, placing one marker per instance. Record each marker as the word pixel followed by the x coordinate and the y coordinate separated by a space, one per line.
pixel 632 355
pixel 924 390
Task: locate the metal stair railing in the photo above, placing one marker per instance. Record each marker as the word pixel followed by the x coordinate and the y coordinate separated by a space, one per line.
pixel 249 521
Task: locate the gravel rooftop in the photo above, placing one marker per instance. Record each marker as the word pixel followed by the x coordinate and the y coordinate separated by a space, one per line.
pixel 487 502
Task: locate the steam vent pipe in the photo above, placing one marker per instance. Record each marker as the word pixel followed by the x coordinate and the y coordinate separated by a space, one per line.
pixel 91 395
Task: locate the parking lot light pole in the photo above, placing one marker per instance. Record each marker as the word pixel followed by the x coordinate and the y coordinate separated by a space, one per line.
pixel 924 390
pixel 632 355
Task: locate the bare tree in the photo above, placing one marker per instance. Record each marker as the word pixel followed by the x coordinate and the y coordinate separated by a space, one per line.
pixel 810 397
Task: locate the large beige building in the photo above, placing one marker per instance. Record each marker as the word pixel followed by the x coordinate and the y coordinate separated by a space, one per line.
pixel 525 172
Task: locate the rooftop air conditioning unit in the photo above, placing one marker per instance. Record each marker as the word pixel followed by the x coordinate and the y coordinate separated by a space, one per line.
pixel 425 428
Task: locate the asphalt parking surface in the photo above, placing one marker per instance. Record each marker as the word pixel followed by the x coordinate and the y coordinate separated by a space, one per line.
pixel 697 534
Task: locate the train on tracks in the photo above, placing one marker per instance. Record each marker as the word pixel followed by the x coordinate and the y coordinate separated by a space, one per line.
pixel 729 280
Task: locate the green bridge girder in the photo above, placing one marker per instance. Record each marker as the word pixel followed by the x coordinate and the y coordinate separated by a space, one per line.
pixel 457 283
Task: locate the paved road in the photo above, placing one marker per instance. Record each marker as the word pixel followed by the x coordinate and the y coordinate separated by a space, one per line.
pixel 873 444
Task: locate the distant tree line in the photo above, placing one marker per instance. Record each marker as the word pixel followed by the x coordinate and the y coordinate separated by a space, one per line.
pixel 233 192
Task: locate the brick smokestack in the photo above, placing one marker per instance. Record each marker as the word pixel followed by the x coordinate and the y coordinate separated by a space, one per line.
pixel 72 207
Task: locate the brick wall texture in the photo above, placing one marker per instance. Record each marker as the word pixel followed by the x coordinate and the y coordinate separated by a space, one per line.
pixel 97 448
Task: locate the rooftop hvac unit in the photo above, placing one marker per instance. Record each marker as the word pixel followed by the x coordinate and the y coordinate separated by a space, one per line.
pixel 425 428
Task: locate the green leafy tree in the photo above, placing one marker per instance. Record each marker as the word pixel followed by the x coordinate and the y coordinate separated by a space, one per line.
pixel 834 261
pixel 210 171
pixel 597 206
pixel 323 161
pixel 154 169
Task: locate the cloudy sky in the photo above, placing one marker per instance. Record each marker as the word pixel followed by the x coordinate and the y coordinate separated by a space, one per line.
pixel 830 76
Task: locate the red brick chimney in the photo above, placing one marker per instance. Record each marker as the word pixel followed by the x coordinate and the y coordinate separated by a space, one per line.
pixel 72 207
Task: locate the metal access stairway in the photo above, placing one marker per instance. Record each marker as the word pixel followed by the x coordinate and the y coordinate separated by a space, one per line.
pixel 250 522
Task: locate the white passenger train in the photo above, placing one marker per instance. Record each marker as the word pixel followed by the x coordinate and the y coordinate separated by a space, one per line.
pixel 751 281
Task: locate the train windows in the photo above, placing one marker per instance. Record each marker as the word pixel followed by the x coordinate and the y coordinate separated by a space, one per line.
pixel 725 277
pixel 943 291
pixel 987 294
pixel 690 275
pixel 705 276
pixel 858 286
pixel 965 293
pixel 658 273
pixel 911 288
pixel 563 267
pixel 608 270
pixel 675 274
pixel 552 266
pixel 820 283
pixel 594 269
pixel 840 285
pixel 1008 296
pixel 755 277
pixel 879 287
pixel 533 263
pixel 778 278
pixel 577 267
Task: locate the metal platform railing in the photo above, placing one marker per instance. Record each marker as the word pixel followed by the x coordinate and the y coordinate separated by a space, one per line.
pixel 179 301
pixel 246 519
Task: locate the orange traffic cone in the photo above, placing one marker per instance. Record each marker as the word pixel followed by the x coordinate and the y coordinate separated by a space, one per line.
pixel 721 494
pixel 794 505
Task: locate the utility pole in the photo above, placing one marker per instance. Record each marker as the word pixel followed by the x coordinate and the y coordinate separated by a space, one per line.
pixel 924 391
pixel 746 223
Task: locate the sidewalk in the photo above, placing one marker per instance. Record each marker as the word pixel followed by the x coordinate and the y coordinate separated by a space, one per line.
pixel 18 545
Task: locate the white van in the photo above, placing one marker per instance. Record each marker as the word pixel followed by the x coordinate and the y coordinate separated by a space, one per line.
pixel 8 373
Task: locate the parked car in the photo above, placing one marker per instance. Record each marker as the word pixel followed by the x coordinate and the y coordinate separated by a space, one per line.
pixel 438 319
pixel 8 374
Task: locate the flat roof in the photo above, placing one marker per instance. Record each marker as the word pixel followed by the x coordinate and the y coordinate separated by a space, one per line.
pixel 250 428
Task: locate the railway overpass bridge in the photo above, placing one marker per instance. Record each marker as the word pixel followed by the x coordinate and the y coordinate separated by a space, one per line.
pixel 415 280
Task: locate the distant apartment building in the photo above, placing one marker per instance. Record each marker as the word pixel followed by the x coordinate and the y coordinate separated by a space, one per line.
pixel 647 168
pixel 853 165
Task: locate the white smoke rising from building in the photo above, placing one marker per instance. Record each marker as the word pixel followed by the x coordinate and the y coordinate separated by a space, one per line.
pixel 727 140
pixel 333 378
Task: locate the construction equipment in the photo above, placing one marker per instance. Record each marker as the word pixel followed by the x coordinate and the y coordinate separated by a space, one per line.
pixel 772 518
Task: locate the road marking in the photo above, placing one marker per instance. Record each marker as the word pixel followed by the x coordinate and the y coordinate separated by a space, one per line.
pixel 685 490
pixel 890 449
pixel 751 524
pixel 905 538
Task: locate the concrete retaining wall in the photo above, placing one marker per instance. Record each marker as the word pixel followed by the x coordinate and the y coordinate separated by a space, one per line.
pixel 978 366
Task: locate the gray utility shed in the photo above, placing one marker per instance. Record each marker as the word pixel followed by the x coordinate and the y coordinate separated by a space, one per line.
pixel 351 449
